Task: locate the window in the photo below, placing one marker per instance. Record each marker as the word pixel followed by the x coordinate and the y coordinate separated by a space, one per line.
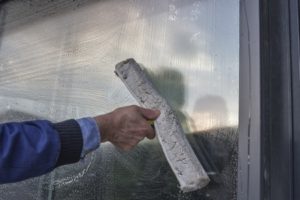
pixel 57 60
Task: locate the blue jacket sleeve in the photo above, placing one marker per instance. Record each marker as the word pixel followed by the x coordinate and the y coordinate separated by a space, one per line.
pixel 33 148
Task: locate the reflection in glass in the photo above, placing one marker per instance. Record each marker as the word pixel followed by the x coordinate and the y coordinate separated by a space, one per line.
pixel 57 60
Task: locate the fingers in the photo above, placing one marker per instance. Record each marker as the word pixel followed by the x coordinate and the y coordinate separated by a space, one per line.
pixel 142 121
pixel 139 133
pixel 144 129
pixel 149 114
pixel 129 138
pixel 151 136
pixel 150 133
pixel 127 142
pixel 125 127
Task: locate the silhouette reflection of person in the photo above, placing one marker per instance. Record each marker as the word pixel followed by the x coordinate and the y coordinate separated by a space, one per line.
pixel 170 84
pixel 212 111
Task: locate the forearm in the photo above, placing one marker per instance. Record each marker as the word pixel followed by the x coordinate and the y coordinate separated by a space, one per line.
pixel 33 148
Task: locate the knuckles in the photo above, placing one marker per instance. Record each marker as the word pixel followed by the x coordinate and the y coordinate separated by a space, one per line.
pixel 130 122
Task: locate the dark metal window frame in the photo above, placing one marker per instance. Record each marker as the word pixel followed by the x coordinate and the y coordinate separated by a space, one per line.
pixel 269 126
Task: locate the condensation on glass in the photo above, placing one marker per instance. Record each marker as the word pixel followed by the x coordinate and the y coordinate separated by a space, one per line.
pixel 57 60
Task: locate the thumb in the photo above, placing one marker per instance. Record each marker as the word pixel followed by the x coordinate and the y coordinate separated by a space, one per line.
pixel 149 114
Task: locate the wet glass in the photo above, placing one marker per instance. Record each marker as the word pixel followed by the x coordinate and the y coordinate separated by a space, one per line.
pixel 57 62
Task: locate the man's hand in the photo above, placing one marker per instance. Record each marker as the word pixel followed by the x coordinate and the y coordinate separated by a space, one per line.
pixel 125 127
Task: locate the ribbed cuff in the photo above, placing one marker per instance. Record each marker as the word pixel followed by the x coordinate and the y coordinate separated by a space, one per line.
pixel 90 135
pixel 71 142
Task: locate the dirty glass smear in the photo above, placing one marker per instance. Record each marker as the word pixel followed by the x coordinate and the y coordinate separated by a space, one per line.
pixel 57 60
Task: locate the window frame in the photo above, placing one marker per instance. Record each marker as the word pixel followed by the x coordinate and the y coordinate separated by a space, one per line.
pixel 269 91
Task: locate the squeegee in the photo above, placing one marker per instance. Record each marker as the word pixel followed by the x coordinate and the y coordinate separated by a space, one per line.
pixel 178 151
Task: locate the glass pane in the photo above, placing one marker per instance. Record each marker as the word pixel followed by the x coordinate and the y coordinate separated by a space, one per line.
pixel 57 62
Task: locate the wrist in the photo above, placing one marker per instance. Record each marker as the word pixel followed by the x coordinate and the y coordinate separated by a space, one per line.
pixel 103 126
